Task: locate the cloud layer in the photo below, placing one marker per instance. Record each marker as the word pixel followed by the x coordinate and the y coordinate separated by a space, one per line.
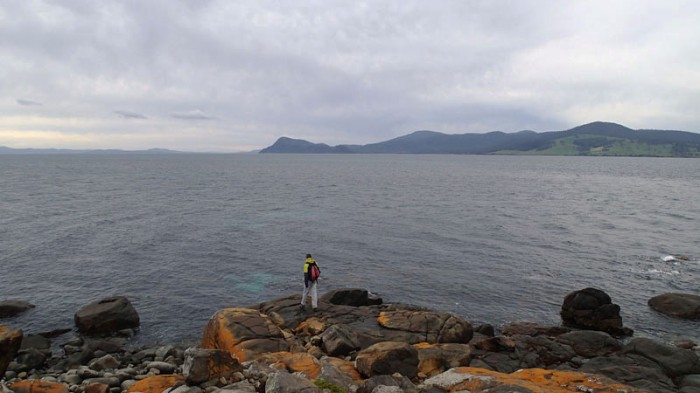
pixel 232 76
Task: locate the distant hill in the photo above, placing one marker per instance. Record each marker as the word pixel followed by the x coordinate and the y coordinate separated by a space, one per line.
pixel 594 139
pixel 8 150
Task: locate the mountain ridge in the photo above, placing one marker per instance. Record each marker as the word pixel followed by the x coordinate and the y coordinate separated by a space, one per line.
pixel 596 139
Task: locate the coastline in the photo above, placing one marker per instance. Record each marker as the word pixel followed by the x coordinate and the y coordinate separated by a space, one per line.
pixel 352 334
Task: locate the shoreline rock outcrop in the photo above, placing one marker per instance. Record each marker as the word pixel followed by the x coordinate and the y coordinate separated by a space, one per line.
pixel 355 344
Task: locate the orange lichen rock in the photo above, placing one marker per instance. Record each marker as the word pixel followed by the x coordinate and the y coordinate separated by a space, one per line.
pixel 156 384
pixel 10 341
pixel 293 362
pixel 310 327
pixel 436 358
pixel 35 386
pixel 244 333
pixel 346 367
pixel 535 380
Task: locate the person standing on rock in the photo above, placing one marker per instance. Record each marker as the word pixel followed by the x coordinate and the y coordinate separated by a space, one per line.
pixel 310 279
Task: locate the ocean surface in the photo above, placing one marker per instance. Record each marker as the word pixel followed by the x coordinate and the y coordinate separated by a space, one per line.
pixel 493 239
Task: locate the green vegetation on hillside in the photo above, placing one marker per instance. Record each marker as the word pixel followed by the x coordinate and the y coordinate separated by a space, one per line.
pixel 596 145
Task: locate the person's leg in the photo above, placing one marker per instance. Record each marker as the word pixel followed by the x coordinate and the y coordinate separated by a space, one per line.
pixel 304 295
pixel 314 295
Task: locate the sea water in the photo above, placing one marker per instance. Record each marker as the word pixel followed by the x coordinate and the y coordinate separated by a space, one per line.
pixel 493 239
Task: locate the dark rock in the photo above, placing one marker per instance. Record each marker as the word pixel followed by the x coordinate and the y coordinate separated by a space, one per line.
pixel 11 308
pixel 651 378
pixel 204 364
pixel 485 329
pixel 592 309
pixel 37 342
pixel 388 358
pixel 338 341
pixel 354 297
pixel 532 329
pixel 54 333
pixel 107 316
pixel 10 342
pixel 690 380
pixel 674 361
pixel 549 352
pixel 31 358
pixel 590 343
pixel 679 305
pixel 496 344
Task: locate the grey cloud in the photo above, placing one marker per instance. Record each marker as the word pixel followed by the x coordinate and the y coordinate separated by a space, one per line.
pixel 373 71
pixel 192 115
pixel 130 115
pixel 28 103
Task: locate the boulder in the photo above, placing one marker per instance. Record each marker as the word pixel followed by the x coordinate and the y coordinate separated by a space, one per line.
pixel 105 362
pixel 11 308
pixel 34 386
pixel 436 358
pixel 156 384
pixel 590 343
pixel 387 358
pixel 281 382
pixel 592 309
pixel 477 380
pixel 427 326
pixel 244 333
pixel 10 342
pixel 30 358
pixel 674 361
pixel 97 388
pixel 340 373
pixel 679 305
pixel 298 362
pixel 36 341
pixel 201 365
pixel 339 341
pixel 388 384
pixel 107 316
pixel 351 297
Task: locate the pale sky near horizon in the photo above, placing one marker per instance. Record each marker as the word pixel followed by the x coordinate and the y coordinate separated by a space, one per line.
pixel 232 76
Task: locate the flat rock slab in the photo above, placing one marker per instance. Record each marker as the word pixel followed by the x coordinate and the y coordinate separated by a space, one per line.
pixel 428 326
pixel 478 380
pixel 38 387
pixel 679 305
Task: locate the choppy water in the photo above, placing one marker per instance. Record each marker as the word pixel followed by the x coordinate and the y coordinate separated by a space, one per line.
pixel 493 239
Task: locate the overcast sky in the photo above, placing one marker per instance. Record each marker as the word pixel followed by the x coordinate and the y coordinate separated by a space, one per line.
pixel 236 75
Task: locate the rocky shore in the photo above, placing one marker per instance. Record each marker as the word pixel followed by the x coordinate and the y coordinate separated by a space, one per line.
pixel 353 343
